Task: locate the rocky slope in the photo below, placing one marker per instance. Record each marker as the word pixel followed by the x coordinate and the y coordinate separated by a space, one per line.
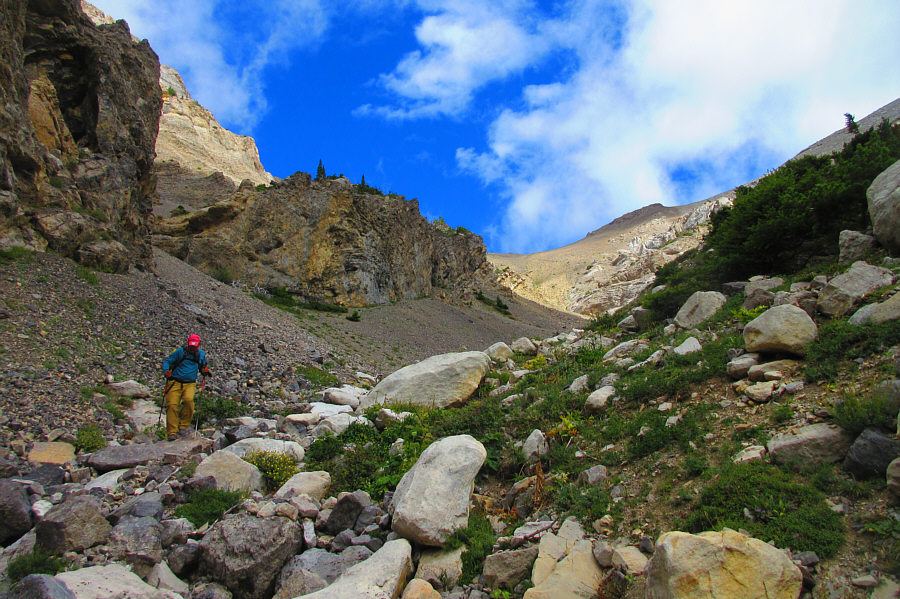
pixel 326 241
pixel 78 124
pixel 614 264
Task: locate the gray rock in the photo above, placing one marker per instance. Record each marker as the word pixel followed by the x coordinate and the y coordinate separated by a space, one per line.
pixel 893 477
pixel 137 541
pixel 759 297
pixel 698 308
pixel 73 525
pixel 381 576
pixel 535 446
pixel 40 586
pixel 593 475
pixel 506 569
pixel 324 564
pixel 298 582
pixel 183 559
pixel 441 381
pixel 843 290
pixel 345 512
pixel 740 366
pixel 47 475
pixel 175 531
pixel 145 505
pixel 499 352
pixel 136 454
pixel 229 472
pixel 780 329
pixel 597 400
pixel 15 511
pixel 246 553
pixel 431 502
pixel 213 591
pixel 762 284
pixel 810 445
pixel 689 346
pixel 871 454
pixel 163 578
pixel 524 345
pixel 315 484
pixel 113 580
pixel 853 246
pixel 242 448
pixel 883 198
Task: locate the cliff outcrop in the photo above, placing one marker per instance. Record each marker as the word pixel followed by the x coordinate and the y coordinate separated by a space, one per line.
pixel 325 241
pixel 79 112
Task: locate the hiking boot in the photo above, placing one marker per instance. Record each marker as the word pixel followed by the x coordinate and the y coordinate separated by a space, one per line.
pixel 172 438
pixel 186 433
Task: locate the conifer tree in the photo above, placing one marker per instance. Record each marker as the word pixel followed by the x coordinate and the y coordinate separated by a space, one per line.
pixel 363 182
pixel 320 171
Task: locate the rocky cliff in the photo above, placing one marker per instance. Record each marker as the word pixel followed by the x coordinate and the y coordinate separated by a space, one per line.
pixel 326 241
pixel 79 108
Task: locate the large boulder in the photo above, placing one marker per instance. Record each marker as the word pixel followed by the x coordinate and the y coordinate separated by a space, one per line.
pixel 853 246
pixel 565 567
pixel 441 381
pixel 780 329
pixel 230 472
pixel 871 454
pixel 73 525
pixel 382 576
pixel 113 580
pixel 506 569
pixel 810 445
pixel 246 553
pixel 883 198
pixel 15 511
pixel 40 586
pixel 499 352
pixel 55 452
pixel 886 311
pixel 842 291
pixel 136 454
pixel 711 565
pixel 431 501
pixel 315 484
pixel 699 307
pixel 320 564
pixel 137 541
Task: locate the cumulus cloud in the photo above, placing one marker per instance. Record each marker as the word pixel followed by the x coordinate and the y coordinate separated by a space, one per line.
pixel 663 102
pixel 222 75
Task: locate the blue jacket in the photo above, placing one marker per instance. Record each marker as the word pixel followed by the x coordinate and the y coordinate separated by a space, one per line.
pixel 188 365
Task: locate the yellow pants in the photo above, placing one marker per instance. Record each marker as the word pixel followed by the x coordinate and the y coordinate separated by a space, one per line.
pixel 178 417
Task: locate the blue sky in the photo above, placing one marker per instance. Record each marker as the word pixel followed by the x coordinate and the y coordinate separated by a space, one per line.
pixel 529 123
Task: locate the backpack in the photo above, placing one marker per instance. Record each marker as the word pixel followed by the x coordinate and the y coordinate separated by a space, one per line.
pixel 186 355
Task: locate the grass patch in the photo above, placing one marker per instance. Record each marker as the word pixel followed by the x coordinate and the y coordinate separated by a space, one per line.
pixel 87 275
pixel 784 510
pixel 839 343
pixel 36 562
pixel 855 414
pixel 210 408
pixel 207 505
pixel 280 297
pixel 586 503
pixel 89 438
pixel 317 376
pixel 478 539
pixel 16 254
pixel 497 304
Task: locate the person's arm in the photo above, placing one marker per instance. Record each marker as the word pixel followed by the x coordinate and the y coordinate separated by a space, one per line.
pixel 204 367
pixel 169 362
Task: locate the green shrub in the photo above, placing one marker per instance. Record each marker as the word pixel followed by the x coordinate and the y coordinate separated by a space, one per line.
pixel 87 275
pixel 324 448
pixel 36 562
pixel 222 274
pixel 785 511
pixel 178 210
pixel 355 317
pixel 276 467
pixel 587 503
pixel 478 539
pixel 16 254
pixel 855 414
pixel 56 181
pixel 207 505
pixel 317 376
pixel 210 408
pixel 781 413
pixel 170 91
pixel 839 343
pixel 89 438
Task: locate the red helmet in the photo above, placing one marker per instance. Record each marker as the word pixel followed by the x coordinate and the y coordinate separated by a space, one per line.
pixel 194 341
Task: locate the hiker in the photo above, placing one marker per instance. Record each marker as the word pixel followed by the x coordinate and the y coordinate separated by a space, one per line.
pixel 181 369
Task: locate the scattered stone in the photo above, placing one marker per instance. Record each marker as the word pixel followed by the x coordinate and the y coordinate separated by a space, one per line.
pixel 419 589
pixel 688 346
pixel 575 575
pixel 499 352
pixel 40 586
pixel 535 446
pixel 764 372
pixel 162 577
pixel 130 388
pixel 15 511
pixel 137 541
pixel 629 560
pixel 720 564
pixel 853 246
pixel 57 453
pixel 345 512
pixel 113 580
pixel 323 564
pixel 136 454
pixel 242 448
pixel 597 400
pixel 431 502
pixel 893 477
pixel 108 481
pixel 593 475
pixel 740 366
pixel 524 345
pixel 843 290
pixel 754 452
pixel 441 568
pixel 442 381
pixel 760 392
pixel 579 385
pixel 506 569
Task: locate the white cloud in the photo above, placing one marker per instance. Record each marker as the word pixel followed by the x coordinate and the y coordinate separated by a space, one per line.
pixel 721 89
pixel 193 38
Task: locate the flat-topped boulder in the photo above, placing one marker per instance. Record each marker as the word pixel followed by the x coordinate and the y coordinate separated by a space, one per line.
pixel 112 580
pixel 442 381
pixel 246 446
pixel 136 454
pixel 783 329
pixel 230 472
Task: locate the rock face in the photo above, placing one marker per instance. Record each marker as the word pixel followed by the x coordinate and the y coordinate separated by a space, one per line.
pixel 720 564
pixel 325 240
pixel 15 511
pixel 78 123
pixel 781 329
pixel 862 279
pixel 246 553
pixel 190 136
pixel 440 381
pixel 883 197
pixel 380 577
pixel 431 501
pixel 73 525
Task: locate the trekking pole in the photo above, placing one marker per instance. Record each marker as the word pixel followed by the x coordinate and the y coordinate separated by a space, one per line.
pixel 169 384
pixel 197 406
